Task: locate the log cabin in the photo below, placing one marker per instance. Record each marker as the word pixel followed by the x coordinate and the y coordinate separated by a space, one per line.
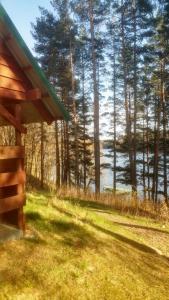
pixel 26 96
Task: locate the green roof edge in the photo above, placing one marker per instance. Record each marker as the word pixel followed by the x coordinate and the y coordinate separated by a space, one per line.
pixel 38 70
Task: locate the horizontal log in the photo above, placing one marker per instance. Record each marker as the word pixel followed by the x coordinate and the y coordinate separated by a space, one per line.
pixel 12 84
pixel 11 95
pixel 9 191
pixel 12 178
pixel 9 152
pixel 30 95
pixel 11 72
pixel 10 165
pixel 14 202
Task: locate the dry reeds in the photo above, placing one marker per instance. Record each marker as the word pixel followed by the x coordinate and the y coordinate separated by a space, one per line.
pixel 124 203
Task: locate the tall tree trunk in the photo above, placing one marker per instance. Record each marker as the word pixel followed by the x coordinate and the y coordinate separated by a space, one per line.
pixel 75 119
pixel 164 131
pixel 127 112
pixel 156 151
pixel 57 156
pixel 135 98
pixel 114 117
pixel 42 155
pixel 65 157
pixel 84 125
pixel 62 152
pixel 147 150
pixel 144 176
pixel 96 102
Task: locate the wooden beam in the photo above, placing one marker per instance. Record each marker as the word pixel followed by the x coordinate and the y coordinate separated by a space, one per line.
pixel 27 68
pixel 20 174
pixel 11 95
pixel 12 178
pixel 11 203
pixel 11 152
pixel 11 119
pixel 34 94
pixel 30 95
pixel 43 111
pixel 7 38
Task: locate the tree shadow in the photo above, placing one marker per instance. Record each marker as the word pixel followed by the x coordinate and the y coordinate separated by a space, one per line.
pixel 72 234
pixel 33 216
pixel 140 227
pixel 138 246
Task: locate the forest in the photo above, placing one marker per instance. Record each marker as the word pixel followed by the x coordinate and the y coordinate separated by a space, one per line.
pixel 109 64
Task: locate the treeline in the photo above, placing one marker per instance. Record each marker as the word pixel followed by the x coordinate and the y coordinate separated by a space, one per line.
pixel 109 63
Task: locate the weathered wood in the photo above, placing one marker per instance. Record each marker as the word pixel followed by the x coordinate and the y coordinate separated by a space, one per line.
pixel 12 178
pixel 9 152
pixel 12 120
pixel 11 203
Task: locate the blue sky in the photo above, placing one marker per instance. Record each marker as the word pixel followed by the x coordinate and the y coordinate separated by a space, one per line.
pixel 22 13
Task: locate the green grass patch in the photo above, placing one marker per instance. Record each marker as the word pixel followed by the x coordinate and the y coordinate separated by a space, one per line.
pixel 84 250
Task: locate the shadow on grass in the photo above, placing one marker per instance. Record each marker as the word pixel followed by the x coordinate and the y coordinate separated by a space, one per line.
pixel 33 216
pixel 101 208
pixel 72 234
pixel 141 227
pixel 117 236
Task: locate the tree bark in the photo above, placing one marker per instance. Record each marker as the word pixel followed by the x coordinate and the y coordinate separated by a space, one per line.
pixel 57 156
pixel 96 102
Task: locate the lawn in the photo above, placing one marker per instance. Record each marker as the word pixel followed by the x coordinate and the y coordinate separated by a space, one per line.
pixel 81 250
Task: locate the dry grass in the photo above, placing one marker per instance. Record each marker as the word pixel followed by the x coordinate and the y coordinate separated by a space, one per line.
pixel 122 203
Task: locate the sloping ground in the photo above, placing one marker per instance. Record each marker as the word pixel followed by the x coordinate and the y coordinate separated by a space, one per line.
pixel 81 250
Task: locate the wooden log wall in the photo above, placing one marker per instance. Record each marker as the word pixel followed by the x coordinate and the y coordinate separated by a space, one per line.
pixel 12 77
pixel 12 180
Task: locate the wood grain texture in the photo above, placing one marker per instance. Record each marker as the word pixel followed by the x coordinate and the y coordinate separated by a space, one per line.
pixel 12 178
pixel 11 95
pixel 11 203
pixel 9 152
pixel 12 84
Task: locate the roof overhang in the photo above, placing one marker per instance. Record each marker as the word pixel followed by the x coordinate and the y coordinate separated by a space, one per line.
pixel 33 72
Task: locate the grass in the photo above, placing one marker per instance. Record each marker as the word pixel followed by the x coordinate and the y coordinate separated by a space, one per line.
pixel 82 250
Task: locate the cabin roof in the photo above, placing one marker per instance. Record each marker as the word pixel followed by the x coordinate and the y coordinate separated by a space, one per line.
pixel 33 72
